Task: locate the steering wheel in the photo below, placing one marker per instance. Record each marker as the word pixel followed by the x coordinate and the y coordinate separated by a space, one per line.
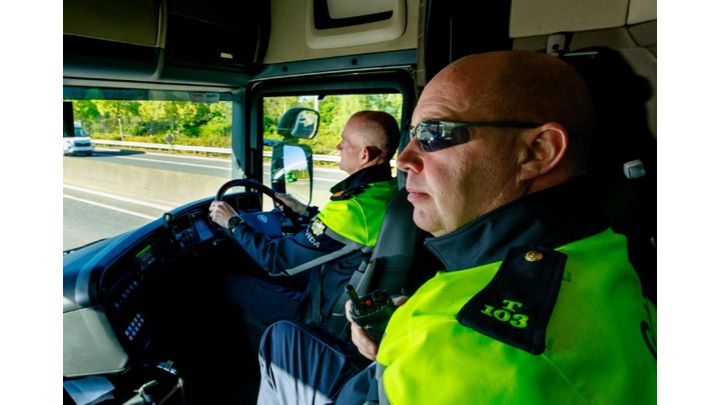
pixel 263 189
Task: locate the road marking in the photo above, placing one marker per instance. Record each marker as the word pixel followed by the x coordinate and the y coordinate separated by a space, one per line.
pixel 173 163
pixel 227 160
pixel 110 207
pixel 317 169
pixel 336 171
pixel 119 198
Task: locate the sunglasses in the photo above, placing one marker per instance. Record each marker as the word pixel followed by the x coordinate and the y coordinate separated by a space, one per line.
pixel 435 135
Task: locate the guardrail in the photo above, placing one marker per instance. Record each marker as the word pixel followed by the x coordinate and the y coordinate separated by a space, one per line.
pixel 188 148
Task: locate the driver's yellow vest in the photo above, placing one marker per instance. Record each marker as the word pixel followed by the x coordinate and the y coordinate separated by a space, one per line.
pixel 599 346
pixel 360 217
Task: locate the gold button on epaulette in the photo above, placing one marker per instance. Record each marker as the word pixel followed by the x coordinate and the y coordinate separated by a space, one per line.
pixel 533 256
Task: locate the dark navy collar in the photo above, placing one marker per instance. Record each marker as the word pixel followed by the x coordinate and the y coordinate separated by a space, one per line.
pixel 362 177
pixel 550 218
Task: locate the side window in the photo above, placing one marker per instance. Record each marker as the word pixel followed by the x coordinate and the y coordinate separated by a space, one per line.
pixel 334 111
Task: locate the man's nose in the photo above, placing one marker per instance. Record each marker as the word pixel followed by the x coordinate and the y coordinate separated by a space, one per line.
pixel 409 159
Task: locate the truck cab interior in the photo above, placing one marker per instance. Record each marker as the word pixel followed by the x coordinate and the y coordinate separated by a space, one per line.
pixel 140 310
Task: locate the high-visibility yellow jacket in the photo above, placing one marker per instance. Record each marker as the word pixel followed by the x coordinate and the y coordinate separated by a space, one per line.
pixel 559 325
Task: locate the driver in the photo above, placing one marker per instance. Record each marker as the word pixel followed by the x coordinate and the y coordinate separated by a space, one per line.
pixel 318 261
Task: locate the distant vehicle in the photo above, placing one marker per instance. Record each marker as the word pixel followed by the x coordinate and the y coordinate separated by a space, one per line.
pixel 78 143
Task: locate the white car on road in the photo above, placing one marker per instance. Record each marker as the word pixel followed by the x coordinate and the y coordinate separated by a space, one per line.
pixel 79 143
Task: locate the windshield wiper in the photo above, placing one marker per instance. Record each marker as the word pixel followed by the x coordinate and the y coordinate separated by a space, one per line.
pixel 66 252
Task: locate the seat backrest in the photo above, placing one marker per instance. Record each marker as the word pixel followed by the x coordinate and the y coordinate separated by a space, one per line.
pixel 399 263
pixel 623 136
pixel 623 79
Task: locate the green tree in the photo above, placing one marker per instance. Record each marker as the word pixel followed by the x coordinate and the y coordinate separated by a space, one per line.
pixel 122 112
pixel 273 109
pixel 86 112
pixel 220 123
pixel 334 111
pixel 154 118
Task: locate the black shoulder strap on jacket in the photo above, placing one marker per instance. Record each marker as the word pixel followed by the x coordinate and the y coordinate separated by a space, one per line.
pixel 516 305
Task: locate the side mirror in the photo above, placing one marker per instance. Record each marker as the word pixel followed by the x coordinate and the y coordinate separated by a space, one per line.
pixel 291 167
pixel 299 122
pixel 291 171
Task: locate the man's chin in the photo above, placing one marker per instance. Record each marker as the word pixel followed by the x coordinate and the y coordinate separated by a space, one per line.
pixel 426 222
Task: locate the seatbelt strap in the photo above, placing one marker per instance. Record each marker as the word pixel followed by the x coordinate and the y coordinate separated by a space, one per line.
pixel 361 278
pixel 350 247
pixel 382 396
pixel 314 316
pixel 347 249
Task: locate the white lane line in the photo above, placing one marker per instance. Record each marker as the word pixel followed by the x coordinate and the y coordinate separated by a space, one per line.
pixel 322 169
pixel 315 179
pixel 209 159
pixel 227 169
pixel 119 198
pixel 110 207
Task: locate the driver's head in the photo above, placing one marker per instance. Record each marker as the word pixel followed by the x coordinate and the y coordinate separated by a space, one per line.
pixel 369 138
pixel 460 181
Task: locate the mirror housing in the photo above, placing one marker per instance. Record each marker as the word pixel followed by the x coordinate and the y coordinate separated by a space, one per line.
pixel 291 170
pixel 299 122
pixel 291 167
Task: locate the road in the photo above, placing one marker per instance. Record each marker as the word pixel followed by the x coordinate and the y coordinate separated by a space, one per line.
pixel 89 214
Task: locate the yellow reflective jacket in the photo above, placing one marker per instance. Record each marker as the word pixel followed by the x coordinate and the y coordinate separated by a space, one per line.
pixel 599 345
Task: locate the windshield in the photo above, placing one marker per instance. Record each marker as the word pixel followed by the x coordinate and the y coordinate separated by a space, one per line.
pixel 153 151
pixel 79 131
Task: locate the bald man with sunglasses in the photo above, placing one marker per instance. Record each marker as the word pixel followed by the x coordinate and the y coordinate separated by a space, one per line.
pixel 537 302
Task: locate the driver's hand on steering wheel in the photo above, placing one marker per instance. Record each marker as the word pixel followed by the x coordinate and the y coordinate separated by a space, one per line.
pixel 220 212
pixel 295 205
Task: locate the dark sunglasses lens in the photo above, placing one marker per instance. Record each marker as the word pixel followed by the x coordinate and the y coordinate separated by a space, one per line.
pixel 432 138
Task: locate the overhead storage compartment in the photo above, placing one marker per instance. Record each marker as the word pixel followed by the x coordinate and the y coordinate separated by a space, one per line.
pixel 208 42
pixel 223 34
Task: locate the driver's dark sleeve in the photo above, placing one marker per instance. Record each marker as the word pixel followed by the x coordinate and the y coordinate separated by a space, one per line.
pixel 275 255
pixel 310 213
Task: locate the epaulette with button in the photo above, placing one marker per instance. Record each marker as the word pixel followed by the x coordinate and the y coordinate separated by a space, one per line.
pixel 516 305
pixel 348 194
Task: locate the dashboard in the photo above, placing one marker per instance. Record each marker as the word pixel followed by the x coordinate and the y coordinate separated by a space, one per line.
pixel 117 293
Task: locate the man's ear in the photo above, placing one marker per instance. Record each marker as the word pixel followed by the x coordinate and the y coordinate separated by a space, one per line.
pixel 544 149
pixel 369 154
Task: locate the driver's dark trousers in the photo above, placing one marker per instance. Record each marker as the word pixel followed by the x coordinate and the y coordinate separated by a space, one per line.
pixel 265 301
pixel 300 366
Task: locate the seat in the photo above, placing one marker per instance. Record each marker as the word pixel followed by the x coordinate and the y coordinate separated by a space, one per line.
pixel 624 157
pixel 399 263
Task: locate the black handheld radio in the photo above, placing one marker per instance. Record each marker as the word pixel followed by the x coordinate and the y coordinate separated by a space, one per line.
pixel 371 311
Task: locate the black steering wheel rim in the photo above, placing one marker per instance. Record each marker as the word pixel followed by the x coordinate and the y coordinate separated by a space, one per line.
pixel 263 189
